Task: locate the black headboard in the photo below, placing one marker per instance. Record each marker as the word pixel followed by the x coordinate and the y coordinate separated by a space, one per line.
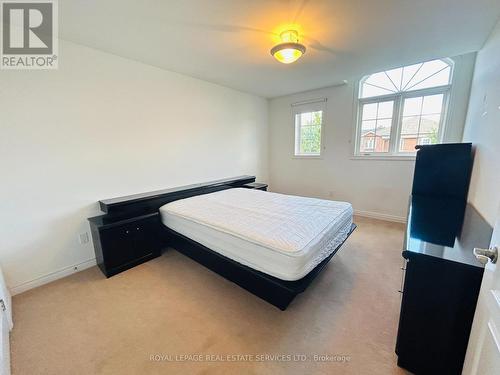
pixel 144 203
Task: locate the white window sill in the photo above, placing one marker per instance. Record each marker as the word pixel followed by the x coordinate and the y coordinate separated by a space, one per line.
pixel 307 157
pixel 384 157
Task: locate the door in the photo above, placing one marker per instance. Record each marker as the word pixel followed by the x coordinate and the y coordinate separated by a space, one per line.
pixel 117 245
pixel 146 237
pixel 5 326
pixel 483 351
pixel 4 338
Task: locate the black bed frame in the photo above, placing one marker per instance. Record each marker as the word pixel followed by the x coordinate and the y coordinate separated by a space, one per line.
pixel 273 290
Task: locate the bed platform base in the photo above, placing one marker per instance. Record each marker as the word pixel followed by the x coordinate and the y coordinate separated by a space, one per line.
pixel 279 293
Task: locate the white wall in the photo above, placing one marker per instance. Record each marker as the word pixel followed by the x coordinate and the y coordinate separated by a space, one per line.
pixel 103 126
pixel 483 129
pixel 375 187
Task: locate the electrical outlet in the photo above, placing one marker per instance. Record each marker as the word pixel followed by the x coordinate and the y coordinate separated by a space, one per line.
pixel 84 238
pixel 330 194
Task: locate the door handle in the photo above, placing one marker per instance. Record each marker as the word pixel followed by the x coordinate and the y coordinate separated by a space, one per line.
pixel 485 255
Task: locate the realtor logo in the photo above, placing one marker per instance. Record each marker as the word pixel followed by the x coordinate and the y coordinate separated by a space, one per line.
pixel 29 34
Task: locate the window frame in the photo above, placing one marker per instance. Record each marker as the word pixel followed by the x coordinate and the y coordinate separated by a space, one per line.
pixel 371 143
pixel 397 116
pixel 305 107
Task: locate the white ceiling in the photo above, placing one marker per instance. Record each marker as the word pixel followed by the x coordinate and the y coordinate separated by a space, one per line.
pixel 228 41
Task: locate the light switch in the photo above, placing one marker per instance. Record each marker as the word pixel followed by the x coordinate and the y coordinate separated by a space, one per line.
pixel 83 238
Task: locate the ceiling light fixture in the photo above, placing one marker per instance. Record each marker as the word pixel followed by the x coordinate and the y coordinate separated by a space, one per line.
pixel 289 50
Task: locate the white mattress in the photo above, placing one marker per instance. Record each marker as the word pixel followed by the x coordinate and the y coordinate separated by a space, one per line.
pixel 282 235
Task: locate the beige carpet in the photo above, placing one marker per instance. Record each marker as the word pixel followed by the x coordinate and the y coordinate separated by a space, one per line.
pixel 174 307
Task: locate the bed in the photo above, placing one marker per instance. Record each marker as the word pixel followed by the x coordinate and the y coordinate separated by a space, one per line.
pixel 271 244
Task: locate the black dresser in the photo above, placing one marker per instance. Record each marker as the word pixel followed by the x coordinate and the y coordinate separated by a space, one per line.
pixel 441 276
pixel 441 284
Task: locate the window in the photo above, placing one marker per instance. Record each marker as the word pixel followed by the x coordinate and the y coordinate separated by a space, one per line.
pixel 401 108
pixel 308 119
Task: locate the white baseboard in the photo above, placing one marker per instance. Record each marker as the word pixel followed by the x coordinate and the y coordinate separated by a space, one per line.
pixel 377 215
pixel 52 277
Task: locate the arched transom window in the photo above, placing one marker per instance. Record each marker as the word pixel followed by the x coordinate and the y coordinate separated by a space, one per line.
pixel 401 108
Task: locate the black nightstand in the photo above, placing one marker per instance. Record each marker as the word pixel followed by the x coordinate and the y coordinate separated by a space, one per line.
pixel 256 186
pixel 121 244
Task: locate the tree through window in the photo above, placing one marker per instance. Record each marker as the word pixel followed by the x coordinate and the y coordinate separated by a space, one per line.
pixel 309 118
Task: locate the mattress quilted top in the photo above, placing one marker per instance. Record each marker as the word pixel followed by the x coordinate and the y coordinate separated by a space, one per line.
pixel 281 222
